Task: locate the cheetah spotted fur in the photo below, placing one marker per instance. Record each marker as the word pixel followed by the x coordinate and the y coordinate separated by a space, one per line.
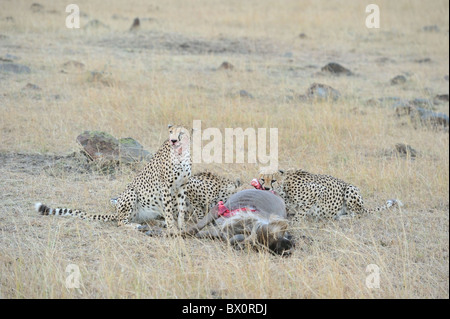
pixel 206 189
pixel 321 196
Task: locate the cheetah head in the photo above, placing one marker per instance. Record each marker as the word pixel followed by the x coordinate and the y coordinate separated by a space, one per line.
pixel 178 135
pixel 270 180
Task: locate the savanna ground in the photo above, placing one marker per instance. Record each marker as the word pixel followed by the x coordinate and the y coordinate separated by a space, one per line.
pixel 168 72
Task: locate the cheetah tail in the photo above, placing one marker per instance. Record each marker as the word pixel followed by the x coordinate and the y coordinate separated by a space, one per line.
pixel 46 210
pixel 389 203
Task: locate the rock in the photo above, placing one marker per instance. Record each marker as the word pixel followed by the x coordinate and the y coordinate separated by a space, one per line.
pixel 244 93
pixel 441 98
pixel 399 79
pixel 136 25
pixel 421 115
pixel 302 36
pixel 431 28
pixel 322 92
pixel 421 102
pixel 431 118
pixel 72 66
pixel 424 60
pixel 131 151
pixel 101 146
pixel 403 107
pixel 336 68
pixel 226 66
pixel 36 7
pixel 405 150
pixel 31 86
pixel 14 68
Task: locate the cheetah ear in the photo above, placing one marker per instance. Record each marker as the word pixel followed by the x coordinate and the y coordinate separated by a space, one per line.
pixel 169 126
pixel 237 182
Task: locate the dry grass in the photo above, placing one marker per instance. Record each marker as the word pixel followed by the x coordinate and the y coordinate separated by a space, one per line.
pixel 150 81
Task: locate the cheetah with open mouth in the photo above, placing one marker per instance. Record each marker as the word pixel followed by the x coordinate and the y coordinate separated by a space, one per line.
pixel 159 190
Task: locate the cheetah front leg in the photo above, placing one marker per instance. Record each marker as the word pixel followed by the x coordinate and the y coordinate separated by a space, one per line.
pixel 182 206
pixel 126 208
pixel 168 207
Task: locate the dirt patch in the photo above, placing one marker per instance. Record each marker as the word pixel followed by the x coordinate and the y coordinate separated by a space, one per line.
pixel 180 44
pixel 57 165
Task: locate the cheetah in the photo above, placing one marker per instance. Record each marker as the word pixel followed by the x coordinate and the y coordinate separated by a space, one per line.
pixel 321 196
pixel 159 190
pixel 206 189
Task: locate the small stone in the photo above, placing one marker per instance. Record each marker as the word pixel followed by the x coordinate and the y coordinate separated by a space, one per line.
pixel 36 7
pixel 431 28
pixel 136 25
pixel 424 60
pixel 226 66
pixel 441 97
pixel 318 91
pixel 72 66
pixel 244 93
pixel 14 68
pixel 336 68
pixel 422 102
pixel 399 79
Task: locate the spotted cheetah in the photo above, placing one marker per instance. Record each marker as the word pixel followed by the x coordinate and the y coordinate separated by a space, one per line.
pixel 155 192
pixel 206 189
pixel 322 196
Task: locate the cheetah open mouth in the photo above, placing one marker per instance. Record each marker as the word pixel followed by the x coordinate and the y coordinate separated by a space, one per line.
pixel 256 184
pixel 177 147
